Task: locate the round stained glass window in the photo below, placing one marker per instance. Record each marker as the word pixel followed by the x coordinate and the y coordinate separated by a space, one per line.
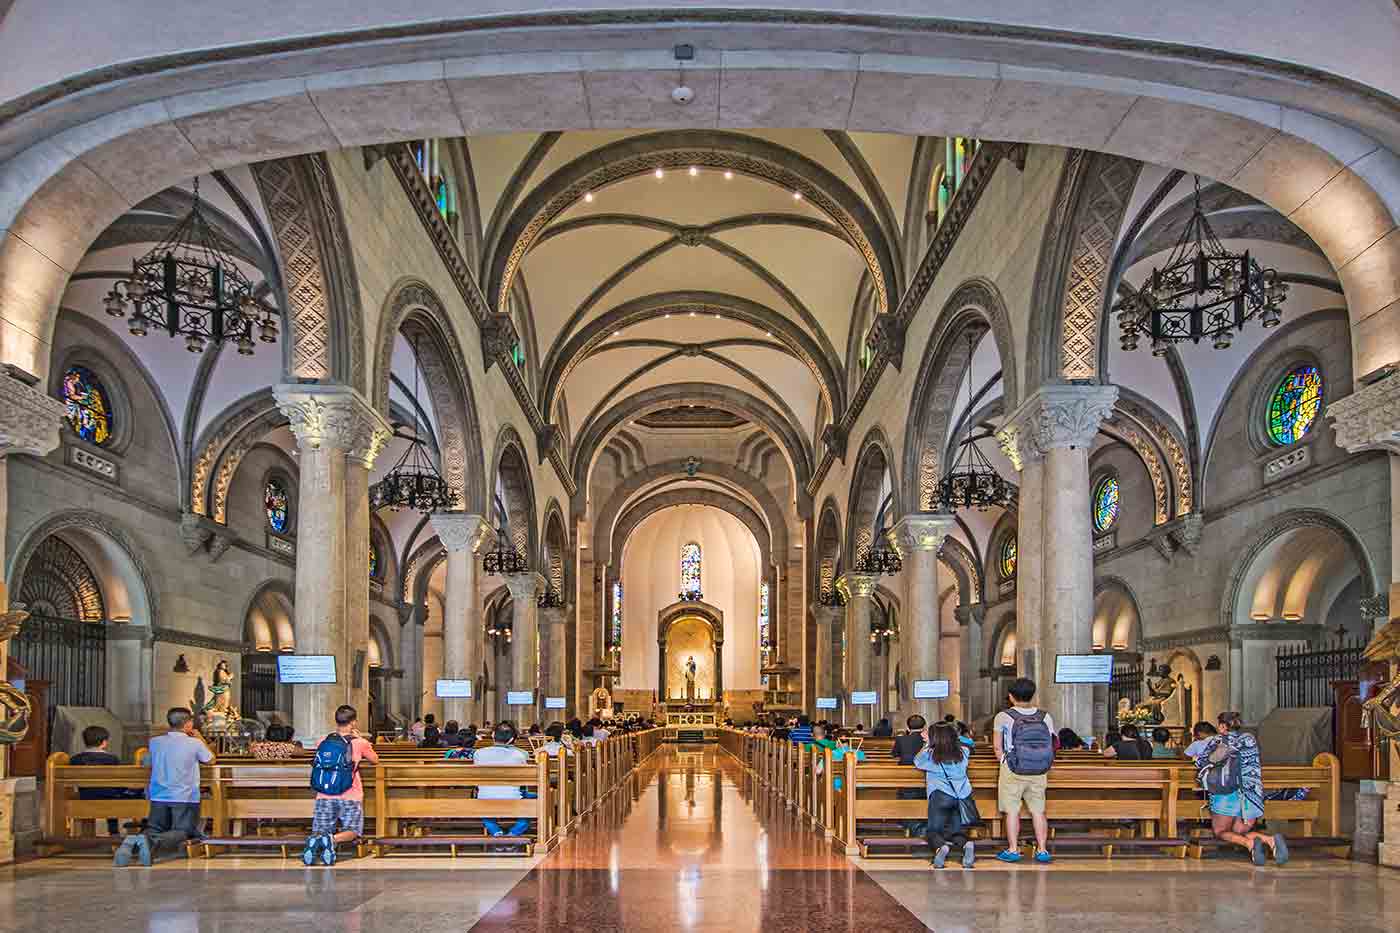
pixel 1008 557
pixel 275 502
pixel 1294 405
pixel 1106 503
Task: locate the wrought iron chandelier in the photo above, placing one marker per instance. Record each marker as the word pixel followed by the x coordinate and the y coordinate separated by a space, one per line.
pixel 498 630
pixel 189 286
pixel 550 598
pixel 504 558
pixel 831 596
pixel 971 482
pixel 414 482
pixel 879 559
pixel 1203 292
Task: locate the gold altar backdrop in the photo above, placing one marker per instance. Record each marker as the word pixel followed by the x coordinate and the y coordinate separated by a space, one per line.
pixel 688 637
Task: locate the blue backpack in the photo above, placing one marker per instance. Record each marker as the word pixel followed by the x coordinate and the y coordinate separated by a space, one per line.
pixel 1032 748
pixel 333 770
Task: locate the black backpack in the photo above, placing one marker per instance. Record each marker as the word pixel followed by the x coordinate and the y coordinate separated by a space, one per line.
pixel 1032 748
pixel 1223 776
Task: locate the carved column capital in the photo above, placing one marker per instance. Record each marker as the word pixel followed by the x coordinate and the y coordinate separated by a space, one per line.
pixel 29 419
pixel 459 531
pixel 1055 416
pixel 922 531
pixel 524 585
pixel 970 615
pixel 859 585
pixel 828 615
pixel 334 417
pixel 1369 418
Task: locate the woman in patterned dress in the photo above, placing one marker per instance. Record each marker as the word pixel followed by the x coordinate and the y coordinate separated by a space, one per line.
pixel 1233 814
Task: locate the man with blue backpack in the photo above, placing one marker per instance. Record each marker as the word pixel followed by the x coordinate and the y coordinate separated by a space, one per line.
pixel 1023 737
pixel 340 795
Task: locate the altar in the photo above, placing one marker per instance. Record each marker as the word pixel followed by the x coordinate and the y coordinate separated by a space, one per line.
pixel 690 643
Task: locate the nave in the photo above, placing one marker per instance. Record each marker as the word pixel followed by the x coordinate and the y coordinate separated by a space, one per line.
pixel 690 842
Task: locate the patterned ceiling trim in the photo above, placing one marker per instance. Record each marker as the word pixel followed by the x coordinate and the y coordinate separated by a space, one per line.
pixel 746 155
pixel 232 455
pixel 234 420
pixel 698 416
pixel 1128 433
pixel 1170 441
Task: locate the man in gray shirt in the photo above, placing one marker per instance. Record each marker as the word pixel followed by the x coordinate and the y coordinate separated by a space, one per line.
pixel 173 791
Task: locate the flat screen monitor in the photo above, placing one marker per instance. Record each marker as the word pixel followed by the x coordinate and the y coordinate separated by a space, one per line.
pixel 1083 668
pixel 454 690
pixel 863 698
pixel 553 702
pixel 826 702
pixel 930 689
pixel 519 698
pixel 306 668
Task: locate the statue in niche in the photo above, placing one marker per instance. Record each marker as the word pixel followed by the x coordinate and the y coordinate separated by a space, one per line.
pixel 218 707
pixel 690 669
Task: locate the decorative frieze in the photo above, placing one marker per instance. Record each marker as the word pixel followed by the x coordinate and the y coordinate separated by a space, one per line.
pixel 1369 418
pixel 1287 463
pixel 281 545
pixel 84 459
pixel 1055 416
pixel 335 417
pixel 29 419
pixel 922 531
pixel 1105 542
pixel 459 531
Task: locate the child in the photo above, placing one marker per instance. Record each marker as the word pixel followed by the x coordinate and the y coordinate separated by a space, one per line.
pixel 95 742
pixel 339 817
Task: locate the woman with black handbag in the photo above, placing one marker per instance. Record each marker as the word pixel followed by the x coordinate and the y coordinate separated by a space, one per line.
pixel 951 809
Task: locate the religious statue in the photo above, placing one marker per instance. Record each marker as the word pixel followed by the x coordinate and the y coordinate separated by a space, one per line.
pixel 220 702
pixel 1161 687
pixel 690 679
pixel 14 705
pixel 1383 708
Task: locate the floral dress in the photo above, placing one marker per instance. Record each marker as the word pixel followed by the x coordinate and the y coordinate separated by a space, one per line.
pixel 1247 803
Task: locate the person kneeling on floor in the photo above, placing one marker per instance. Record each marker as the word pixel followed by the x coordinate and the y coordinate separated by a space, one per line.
pixel 944 760
pixel 339 815
pixel 173 791
pixel 502 752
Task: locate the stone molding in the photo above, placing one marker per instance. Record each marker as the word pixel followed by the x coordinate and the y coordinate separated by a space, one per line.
pixel 970 615
pixel 554 615
pixel 459 531
pixel 335 417
pixel 524 585
pixel 859 585
pixel 29 419
pixel 1055 416
pixel 829 615
pixel 1369 418
pixel 1187 639
pixel 922 531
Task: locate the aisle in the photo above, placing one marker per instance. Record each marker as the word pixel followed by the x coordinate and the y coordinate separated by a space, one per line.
pixel 689 849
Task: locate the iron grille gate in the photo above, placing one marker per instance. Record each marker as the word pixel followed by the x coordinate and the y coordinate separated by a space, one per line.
pixel 70 655
pixel 259 684
pixel 1126 683
pixel 1305 674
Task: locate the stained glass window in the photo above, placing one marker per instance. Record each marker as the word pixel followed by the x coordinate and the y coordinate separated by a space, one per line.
pixel 86 408
pixel 1294 406
pixel 275 502
pixel 765 642
pixel 1106 503
pixel 690 571
pixel 616 639
pixel 373 559
pixel 1008 557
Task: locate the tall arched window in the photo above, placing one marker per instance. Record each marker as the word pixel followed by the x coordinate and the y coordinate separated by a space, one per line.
pixel 1294 405
pixel 690 571
pixel 616 640
pixel 275 502
pixel 765 636
pixel 1006 560
pixel 87 409
pixel 373 559
pixel 1106 503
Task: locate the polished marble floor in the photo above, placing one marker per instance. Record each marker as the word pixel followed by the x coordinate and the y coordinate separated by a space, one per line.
pixel 690 846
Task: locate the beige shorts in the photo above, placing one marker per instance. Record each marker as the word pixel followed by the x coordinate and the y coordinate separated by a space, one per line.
pixel 1012 788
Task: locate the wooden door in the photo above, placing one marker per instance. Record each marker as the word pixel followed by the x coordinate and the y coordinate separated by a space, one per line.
pixel 1351 741
pixel 27 756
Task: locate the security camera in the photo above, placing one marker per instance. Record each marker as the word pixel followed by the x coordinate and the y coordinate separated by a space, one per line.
pixel 682 95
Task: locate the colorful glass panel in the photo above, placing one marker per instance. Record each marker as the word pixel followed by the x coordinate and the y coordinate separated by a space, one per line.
pixel 616 639
pixel 1295 404
pixel 1008 557
pixel 86 408
pixel 1106 503
pixel 275 502
pixel 765 643
pixel 690 571
pixel 373 559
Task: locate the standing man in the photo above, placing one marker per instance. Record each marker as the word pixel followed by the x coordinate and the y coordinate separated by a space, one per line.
pixel 1023 739
pixel 173 791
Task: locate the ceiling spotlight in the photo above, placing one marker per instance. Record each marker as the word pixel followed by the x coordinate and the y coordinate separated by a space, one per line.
pixel 728 174
pixel 683 95
pixel 617 333
pixel 694 171
pixel 797 195
pixel 659 173
pixel 588 197
pixel 667 314
pixel 692 314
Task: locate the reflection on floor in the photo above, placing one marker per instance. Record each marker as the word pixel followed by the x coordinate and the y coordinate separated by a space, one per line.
pixel 691 846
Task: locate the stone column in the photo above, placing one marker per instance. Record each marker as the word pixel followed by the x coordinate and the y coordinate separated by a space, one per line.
pixel 589 650
pixel 524 642
pixel 919 536
pixel 970 661
pixel 338 434
pixel 411 661
pixel 553 683
pixel 461 534
pixel 1050 434
pixel 1369 419
pixel 828 624
pixel 858 663
pixel 29 424
pixel 357 584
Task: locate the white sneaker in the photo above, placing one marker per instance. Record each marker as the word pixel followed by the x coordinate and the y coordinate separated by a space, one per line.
pixel 940 856
pixel 122 857
pixel 969 855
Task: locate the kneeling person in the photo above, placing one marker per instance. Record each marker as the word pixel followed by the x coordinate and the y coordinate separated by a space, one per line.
pixel 173 791
pixel 339 815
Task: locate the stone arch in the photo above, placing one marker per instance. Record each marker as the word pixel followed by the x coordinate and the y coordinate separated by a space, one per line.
pixel 964 565
pixel 384 642
pixel 269 613
pixel 414 309
pixel 1003 627
pixel 116 558
pixel 974 307
pixel 638 511
pixel 513 492
pixel 827 547
pixel 383 539
pixel 668 616
pixel 1117 623
pixel 874 468
pixel 1292 520
pixel 555 553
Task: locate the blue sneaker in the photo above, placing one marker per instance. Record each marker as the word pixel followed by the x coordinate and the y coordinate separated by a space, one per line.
pixel 308 854
pixel 1006 855
pixel 1044 858
pixel 327 850
pixel 143 850
pixel 122 857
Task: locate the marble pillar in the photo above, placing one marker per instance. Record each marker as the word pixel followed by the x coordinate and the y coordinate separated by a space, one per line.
pixel 525 643
pixel 338 434
pixel 827 620
pixel 1048 438
pixel 1369 419
pixel 410 687
pixel 553 651
pixel 29 424
pixel 970 662
pixel 919 536
pixel 859 664
pixel 462 535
